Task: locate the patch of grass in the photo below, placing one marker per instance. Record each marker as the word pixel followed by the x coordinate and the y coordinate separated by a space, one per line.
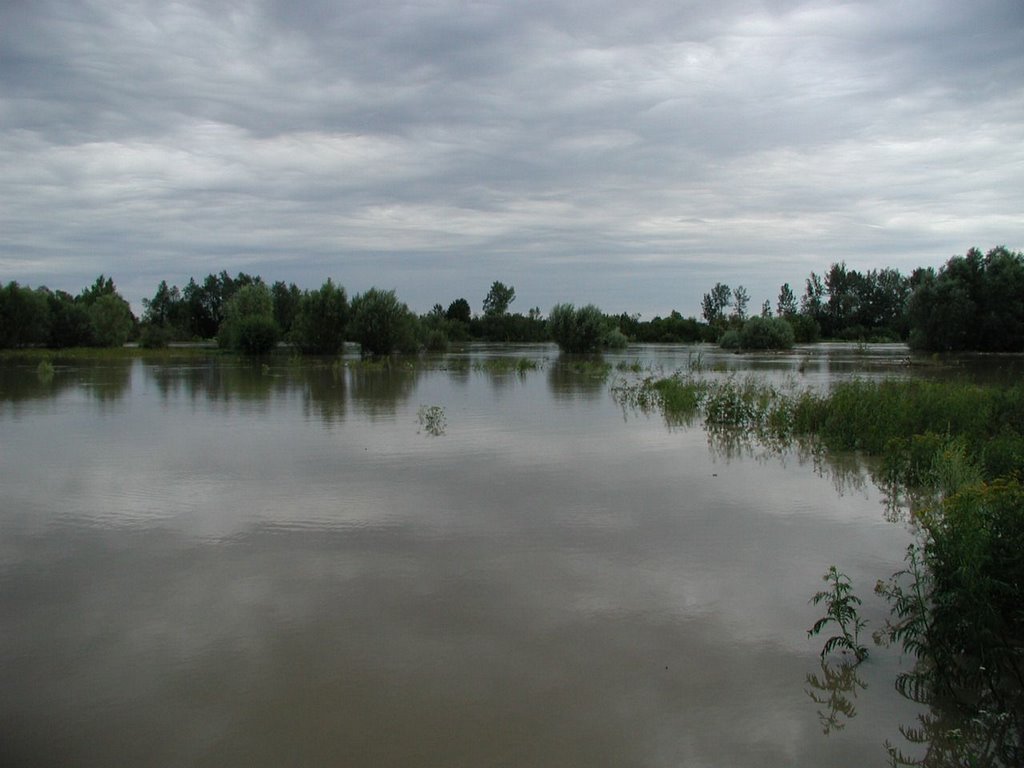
pixel 498 365
pixel 595 369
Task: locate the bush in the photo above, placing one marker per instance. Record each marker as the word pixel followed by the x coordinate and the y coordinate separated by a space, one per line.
pixel 730 340
pixel 437 340
pixel 256 334
pixel 805 328
pixel 248 324
pixel 322 320
pixel 766 333
pixel 615 339
pixel 382 324
pixel 111 320
pixel 580 330
pixel 154 336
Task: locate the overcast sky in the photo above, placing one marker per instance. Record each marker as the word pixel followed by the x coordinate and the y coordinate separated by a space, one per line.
pixel 629 154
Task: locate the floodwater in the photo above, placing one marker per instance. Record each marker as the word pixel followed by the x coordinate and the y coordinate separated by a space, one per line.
pixel 220 563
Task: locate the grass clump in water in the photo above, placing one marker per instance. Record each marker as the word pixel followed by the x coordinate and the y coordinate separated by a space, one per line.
pixel 44 371
pixel 498 365
pixel 432 419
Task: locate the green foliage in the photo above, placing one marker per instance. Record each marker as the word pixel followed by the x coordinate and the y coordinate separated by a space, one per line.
pixel 840 610
pixel 975 302
pixel 459 310
pixel 287 303
pixel 154 336
pixel 382 324
pixel 248 324
pixel 69 322
pixel 498 299
pixel 499 365
pixel 321 320
pixel 436 341
pixel 974 558
pixel 254 334
pixel 578 330
pixel 615 339
pixel 24 316
pixel 674 329
pixel 165 314
pixel 766 333
pixel 111 320
pixel 786 306
pixel 714 304
pixel 805 329
pixel 731 339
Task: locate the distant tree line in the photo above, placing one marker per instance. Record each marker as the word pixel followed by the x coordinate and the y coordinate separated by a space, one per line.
pixel 96 317
pixel 973 302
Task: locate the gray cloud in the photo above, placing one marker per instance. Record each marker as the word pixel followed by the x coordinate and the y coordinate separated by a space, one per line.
pixel 581 151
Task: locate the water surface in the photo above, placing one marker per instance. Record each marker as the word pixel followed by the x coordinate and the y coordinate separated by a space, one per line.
pixel 217 563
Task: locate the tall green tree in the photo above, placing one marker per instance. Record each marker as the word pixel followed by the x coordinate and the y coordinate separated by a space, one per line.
pixel 24 316
pixel 459 310
pixel 786 306
pixel 248 324
pixel 974 302
pixel 381 323
pixel 111 319
pixel 286 305
pixel 714 304
pixel 322 320
pixel 498 299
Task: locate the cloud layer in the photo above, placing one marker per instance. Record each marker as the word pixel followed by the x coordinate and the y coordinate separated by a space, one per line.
pixel 580 151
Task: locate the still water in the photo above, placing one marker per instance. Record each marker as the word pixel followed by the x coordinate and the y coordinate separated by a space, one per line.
pixel 217 563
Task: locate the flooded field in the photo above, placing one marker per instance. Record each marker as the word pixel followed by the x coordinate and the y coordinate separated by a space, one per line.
pixel 481 559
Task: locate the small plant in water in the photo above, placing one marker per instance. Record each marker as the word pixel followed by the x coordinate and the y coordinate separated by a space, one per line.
pixel 841 610
pixel 432 419
pixel 44 371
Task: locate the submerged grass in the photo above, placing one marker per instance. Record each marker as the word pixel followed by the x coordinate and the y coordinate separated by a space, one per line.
pixel 498 365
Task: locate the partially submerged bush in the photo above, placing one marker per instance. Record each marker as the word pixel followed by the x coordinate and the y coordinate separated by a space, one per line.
pixel 248 324
pixel 319 328
pixel 730 340
pixel 578 330
pixel 255 335
pixel 382 324
pixel 766 333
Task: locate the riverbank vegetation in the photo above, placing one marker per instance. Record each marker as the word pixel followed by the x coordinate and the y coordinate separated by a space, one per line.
pixel 973 302
pixel 952 455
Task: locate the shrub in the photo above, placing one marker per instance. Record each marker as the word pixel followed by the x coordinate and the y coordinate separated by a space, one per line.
pixel 615 339
pixel 322 320
pixel 256 334
pixel 730 340
pixel 437 340
pixel 766 333
pixel 577 330
pixel 248 324
pixel 805 329
pixel 382 324
pixel 154 336
pixel 111 320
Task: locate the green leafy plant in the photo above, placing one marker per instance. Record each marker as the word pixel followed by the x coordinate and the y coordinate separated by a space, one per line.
pixel 841 610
